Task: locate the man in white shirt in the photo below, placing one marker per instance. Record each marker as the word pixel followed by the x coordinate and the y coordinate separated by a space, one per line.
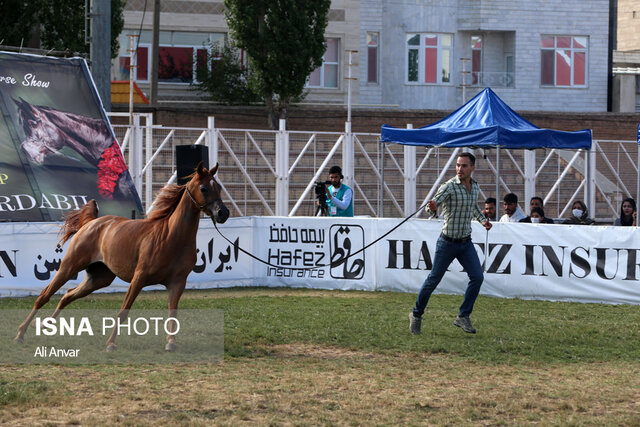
pixel 513 211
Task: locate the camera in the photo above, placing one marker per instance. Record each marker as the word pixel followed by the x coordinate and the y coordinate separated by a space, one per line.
pixel 320 186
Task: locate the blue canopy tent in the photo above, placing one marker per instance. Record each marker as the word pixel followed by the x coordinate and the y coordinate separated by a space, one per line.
pixel 486 122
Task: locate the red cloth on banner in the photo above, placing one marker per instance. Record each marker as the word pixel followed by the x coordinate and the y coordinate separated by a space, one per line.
pixel 110 167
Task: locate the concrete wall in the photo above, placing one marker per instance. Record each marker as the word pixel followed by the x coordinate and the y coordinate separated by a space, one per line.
pixel 628 25
pixel 528 20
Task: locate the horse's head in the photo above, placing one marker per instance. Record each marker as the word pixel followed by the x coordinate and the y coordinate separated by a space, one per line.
pixel 206 193
pixel 42 136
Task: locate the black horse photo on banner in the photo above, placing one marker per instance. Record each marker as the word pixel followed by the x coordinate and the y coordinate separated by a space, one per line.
pixel 57 147
pixel 48 130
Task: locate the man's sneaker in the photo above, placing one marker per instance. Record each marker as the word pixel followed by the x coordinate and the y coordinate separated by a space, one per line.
pixel 465 324
pixel 414 324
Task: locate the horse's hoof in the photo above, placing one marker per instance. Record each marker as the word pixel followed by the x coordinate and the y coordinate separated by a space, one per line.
pixel 112 347
pixel 170 346
pixel 18 340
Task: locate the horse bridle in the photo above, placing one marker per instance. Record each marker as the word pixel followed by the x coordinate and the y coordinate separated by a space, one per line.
pixel 195 202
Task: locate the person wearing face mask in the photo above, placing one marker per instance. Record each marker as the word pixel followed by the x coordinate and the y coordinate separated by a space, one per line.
pixel 627 213
pixel 579 214
pixel 536 217
pixel 536 202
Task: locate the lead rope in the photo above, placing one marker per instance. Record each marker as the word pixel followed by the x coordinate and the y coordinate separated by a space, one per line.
pixel 333 263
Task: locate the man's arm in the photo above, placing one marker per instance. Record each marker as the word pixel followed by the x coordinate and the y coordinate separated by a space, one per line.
pixel 345 202
pixel 443 193
pixel 481 218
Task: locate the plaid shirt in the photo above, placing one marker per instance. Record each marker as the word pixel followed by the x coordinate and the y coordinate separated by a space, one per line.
pixel 458 206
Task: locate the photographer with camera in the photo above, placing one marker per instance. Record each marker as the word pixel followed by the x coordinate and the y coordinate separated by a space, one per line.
pixel 339 196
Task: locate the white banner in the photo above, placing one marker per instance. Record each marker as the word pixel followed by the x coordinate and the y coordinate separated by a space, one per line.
pixel 530 261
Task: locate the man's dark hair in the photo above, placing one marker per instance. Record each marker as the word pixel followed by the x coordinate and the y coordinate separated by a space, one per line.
pixel 335 169
pixel 511 198
pixel 471 157
pixel 540 211
pixel 490 201
pixel 537 198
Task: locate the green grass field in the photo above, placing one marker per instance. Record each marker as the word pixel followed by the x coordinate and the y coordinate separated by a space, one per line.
pixel 298 356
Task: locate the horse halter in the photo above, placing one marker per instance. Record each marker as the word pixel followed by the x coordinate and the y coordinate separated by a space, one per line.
pixel 195 202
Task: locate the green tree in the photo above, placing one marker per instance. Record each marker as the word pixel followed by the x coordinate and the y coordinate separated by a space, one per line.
pixel 284 42
pixel 59 24
pixel 18 22
pixel 226 80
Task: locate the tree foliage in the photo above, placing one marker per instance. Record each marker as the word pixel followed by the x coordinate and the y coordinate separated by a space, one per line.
pixel 58 24
pixel 284 42
pixel 225 79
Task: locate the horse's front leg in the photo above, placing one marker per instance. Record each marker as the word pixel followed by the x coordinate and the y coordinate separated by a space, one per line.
pixel 61 277
pixel 175 292
pixel 137 283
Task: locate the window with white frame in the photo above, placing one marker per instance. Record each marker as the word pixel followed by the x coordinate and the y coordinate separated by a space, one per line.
pixel 326 75
pixel 429 58
pixel 563 61
pixel 373 43
pixel 178 54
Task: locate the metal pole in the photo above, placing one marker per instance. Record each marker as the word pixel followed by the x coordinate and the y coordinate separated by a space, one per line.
pixel 349 79
pixel 133 65
pixel 381 213
pixel 155 34
pixel 497 183
pixel 409 178
pixel 100 49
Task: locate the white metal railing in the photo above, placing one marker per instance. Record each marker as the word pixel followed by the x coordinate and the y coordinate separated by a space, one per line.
pixel 263 171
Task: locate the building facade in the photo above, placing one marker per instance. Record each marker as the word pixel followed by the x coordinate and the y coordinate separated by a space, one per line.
pixel 432 54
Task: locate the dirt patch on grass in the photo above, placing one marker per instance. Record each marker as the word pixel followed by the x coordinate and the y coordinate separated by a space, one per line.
pixel 312 384
pixel 300 350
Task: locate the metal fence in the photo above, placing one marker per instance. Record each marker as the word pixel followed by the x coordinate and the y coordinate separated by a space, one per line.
pixel 274 172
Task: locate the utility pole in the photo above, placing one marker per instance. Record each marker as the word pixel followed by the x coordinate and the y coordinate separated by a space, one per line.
pixel 155 33
pixel 347 146
pixel 133 70
pixel 100 48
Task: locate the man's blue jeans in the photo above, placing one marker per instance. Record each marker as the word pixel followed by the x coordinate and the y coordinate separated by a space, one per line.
pixel 446 252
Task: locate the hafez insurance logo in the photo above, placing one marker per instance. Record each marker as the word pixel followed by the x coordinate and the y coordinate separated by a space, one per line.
pixel 345 242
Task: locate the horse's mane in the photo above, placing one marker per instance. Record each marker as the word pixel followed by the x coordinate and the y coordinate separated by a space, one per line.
pixel 74 220
pixel 166 201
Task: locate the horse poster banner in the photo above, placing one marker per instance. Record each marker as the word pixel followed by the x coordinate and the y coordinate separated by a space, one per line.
pixel 57 147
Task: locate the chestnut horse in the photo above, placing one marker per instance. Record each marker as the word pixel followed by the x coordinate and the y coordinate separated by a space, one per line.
pixel 160 249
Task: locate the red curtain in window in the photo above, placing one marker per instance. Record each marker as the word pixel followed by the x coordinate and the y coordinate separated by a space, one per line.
pixel 546 70
pixel 579 74
pixel 475 66
pixel 175 64
pixel 372 64
pixel 563 67
pixel 143 63
pixel 431 65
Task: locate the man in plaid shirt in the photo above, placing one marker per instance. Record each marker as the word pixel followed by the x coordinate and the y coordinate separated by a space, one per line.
pixel 459 200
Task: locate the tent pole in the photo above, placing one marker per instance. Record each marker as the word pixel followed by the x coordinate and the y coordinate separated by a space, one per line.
pixel 497 183
pixel 381 213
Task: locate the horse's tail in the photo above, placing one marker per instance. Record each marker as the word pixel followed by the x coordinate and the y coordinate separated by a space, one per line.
pixel 73 221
